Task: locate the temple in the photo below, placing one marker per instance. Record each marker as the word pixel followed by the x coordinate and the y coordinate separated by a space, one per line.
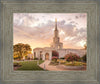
pixel 46 52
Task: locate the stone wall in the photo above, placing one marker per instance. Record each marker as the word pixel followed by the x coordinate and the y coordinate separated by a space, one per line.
pixel 63 52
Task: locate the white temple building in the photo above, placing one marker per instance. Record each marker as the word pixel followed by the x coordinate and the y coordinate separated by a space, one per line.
pixel 46 52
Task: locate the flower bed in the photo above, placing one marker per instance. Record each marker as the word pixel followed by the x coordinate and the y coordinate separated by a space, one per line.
pixel 75 63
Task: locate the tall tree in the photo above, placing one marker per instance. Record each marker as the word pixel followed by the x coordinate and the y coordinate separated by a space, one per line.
pixel 21 49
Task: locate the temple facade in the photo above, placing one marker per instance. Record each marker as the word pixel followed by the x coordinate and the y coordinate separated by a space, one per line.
pixel 46 52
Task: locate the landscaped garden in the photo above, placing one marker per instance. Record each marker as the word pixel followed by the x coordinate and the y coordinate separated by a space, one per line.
pixel 69 60
pixel 28 65
pixel 66 63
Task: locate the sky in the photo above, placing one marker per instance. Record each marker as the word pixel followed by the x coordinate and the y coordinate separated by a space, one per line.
pixel 37 29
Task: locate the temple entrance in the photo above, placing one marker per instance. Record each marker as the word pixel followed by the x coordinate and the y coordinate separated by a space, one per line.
pixel 47 56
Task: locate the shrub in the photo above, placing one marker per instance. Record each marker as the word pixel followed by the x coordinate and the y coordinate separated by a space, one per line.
pixel 40 58
pixel 74 64
pixel 15 58
pixel 16 64
pixel 62 61
pixel 72 57
pixel 35 58
pixel 62 58
pixel 84 64
pixel 53 63
pixel 54 58
pixel 84 58
pixel 55 53
pixel 28 58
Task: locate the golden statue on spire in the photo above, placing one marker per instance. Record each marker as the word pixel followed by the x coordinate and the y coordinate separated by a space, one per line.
pixel 56 24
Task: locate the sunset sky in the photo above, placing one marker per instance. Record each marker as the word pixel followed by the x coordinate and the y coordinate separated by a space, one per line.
pixel 37 29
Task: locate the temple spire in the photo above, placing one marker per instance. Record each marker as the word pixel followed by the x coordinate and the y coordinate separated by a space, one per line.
pixel 55 23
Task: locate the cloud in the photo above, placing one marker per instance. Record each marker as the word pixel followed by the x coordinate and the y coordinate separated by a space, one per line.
pixel 22 19
pixel 81 15
pixel 70 31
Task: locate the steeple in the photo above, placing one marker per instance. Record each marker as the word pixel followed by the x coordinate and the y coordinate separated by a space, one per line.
pixel 56 40
pixel 56 24
pixel 56 36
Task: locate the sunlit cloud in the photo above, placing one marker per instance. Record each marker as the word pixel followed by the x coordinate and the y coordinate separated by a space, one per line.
pixel 37 29
pixel 82 43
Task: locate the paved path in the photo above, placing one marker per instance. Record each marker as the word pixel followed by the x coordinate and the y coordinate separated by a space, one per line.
pixel 45 65
pixel 71 67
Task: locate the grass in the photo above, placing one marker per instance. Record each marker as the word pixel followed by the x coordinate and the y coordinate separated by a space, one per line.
pixel 29 65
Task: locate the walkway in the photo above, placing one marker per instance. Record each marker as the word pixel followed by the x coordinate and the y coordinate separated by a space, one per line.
pixel 45 65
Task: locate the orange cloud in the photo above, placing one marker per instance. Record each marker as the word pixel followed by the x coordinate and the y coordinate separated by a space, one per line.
pixel 37 29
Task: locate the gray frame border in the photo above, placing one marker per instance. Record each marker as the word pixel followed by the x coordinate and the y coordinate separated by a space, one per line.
pixel 5 32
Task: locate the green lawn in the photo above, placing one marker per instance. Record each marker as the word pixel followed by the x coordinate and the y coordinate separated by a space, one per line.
pixel 29 65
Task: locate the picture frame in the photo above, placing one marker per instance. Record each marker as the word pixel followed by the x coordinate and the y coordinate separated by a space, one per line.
pixel 9 76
